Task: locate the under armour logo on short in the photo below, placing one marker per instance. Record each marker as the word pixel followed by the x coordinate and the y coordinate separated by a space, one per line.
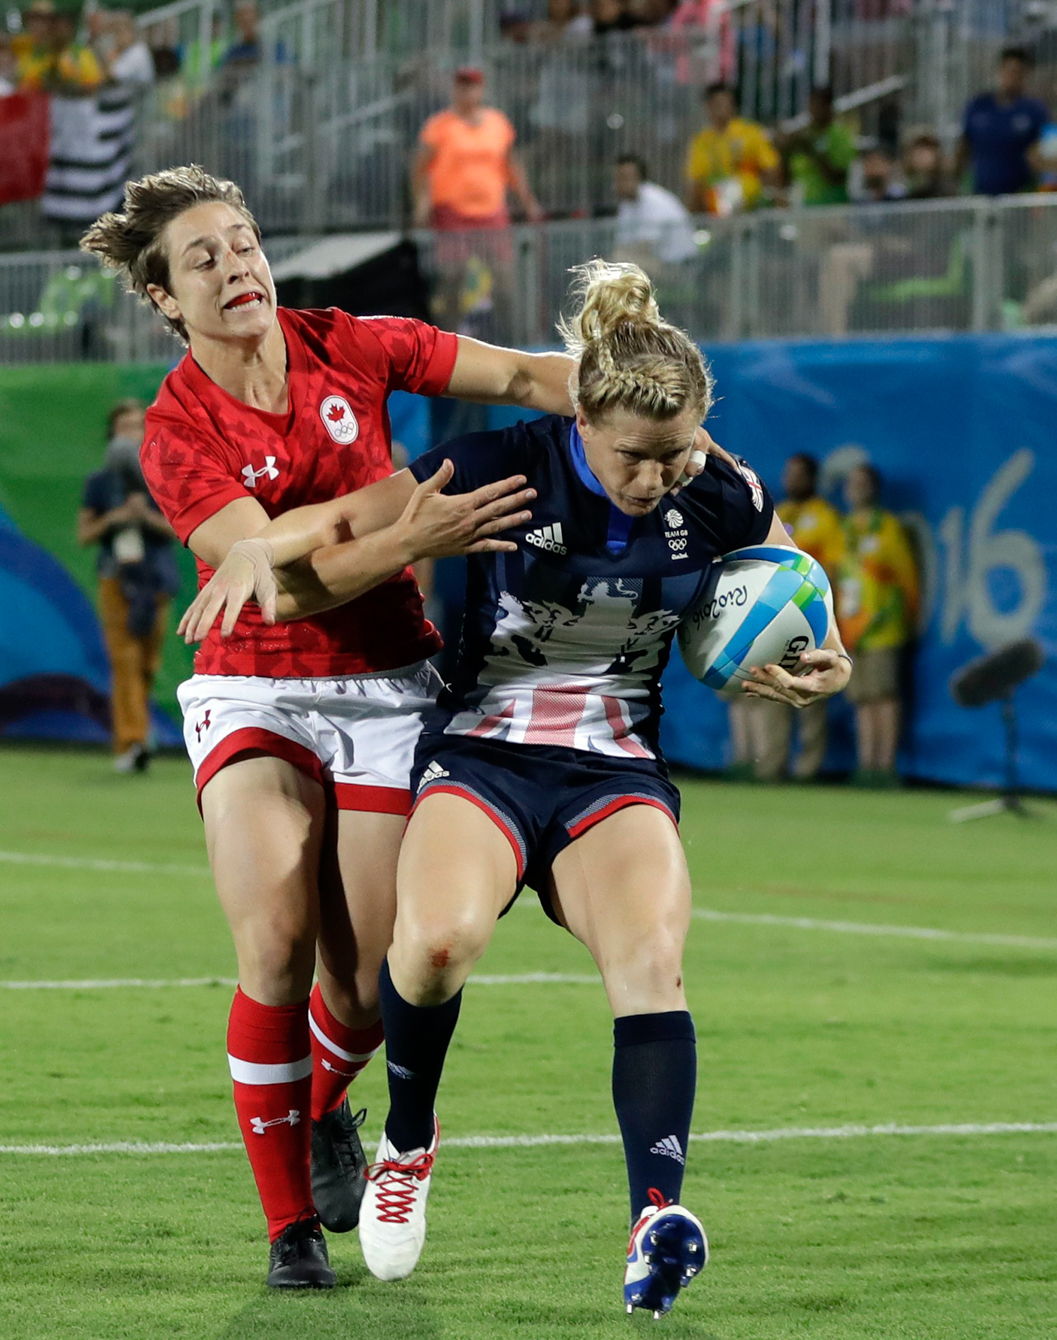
pixel 259 1125
pixel 250 475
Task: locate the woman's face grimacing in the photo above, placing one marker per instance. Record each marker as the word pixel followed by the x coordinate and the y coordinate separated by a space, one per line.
pixel 637 460
pixel 220 285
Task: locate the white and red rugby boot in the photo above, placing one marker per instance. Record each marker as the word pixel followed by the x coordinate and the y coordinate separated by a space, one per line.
pixel 393 1213
pixel 668 1248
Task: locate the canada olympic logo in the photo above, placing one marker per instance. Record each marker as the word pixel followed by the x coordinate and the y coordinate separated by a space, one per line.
pixel 339 420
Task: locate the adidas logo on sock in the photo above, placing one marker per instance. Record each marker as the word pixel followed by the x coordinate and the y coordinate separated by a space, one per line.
pixel 432 772
pixel 671 1148
pixel 549 538
pixel 400 1071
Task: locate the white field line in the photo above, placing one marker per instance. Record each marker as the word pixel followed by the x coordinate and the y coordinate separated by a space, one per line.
pixel 702 913
pixel 532 1141
pixel 108 867
pixel 875 928
pixel 110 983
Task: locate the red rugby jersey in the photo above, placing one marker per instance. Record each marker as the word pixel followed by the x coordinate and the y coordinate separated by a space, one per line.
pixel 203 449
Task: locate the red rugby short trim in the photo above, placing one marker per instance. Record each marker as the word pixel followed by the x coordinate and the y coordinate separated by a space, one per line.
pixel 453 789
pixel 256 740
pixel 617 803
pixel 372 799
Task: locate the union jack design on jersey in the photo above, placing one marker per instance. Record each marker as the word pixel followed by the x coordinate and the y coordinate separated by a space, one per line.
pixel 564 644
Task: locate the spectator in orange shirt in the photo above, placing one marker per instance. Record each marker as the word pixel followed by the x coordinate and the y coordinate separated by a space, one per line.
pixel 462 171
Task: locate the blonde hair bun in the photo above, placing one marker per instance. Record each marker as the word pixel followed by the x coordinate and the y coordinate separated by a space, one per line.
pixel 629 356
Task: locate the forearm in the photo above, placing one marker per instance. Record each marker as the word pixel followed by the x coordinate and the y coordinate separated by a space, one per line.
pixel 297 533
pixel 338 573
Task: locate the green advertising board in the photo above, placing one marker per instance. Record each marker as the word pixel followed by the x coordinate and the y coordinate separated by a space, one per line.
pixel 52 436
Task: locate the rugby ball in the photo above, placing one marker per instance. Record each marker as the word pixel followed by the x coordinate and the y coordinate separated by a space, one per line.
pixel 765 605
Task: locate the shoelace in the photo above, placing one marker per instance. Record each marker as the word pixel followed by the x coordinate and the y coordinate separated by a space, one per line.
pixel 398 1184
pixel 346 1143
pixel 659 1203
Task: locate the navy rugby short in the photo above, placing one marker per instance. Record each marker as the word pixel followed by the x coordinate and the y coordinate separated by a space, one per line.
pixel 541 797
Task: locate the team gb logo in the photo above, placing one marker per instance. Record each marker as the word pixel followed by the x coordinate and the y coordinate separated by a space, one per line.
pixel 339 420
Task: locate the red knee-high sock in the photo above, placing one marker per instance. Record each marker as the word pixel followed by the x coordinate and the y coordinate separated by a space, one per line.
pixel 271 1068
pixel 339 1053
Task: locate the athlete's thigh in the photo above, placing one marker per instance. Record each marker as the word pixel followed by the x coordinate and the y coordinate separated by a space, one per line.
pixel 457 870
pixel 357 898
pixel 264 822
pixel 623 889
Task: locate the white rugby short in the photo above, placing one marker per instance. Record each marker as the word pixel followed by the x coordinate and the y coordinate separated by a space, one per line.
pixel 355 734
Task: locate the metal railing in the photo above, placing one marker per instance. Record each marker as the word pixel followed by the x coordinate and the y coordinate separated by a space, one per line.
pixel 325 144
pixel 931 266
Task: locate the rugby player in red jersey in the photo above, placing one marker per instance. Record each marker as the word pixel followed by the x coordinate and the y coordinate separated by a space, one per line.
pixel 301 734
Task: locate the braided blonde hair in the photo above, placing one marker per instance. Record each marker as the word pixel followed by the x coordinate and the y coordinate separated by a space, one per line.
pixel 629 357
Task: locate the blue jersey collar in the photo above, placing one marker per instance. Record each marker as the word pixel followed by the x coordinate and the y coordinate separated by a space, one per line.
pixel 620 524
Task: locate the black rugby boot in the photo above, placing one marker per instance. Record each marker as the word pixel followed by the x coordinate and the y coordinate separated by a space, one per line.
pixel 299 1258
pixel 338 1168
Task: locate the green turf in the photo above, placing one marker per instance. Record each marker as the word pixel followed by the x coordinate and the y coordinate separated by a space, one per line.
pixel 924 1236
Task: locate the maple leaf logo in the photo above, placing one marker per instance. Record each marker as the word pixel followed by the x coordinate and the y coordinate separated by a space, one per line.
pixel 338 419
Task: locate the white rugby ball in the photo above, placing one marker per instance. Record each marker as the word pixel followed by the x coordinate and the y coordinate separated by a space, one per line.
pixel 766 605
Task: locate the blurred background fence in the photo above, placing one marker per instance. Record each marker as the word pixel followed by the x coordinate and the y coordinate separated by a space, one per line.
pixel 948 265
pixel 320 125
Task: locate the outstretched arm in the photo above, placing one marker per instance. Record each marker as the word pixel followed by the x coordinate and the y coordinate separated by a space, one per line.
pixel 355 543
pixel 489 375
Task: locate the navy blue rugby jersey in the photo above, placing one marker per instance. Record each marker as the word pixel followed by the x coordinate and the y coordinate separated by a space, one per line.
pixel 564 641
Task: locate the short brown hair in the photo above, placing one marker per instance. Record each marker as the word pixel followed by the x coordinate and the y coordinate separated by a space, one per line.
pixel 629 357
pixel 131 242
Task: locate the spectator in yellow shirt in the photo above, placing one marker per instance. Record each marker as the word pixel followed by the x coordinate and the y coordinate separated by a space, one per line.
pixel 731 161
pixel 877 607
pixel 60 64
pixel 763 729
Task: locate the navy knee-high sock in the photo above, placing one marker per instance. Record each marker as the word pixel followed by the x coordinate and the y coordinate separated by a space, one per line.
pixel 416 1043
pixel 654 1081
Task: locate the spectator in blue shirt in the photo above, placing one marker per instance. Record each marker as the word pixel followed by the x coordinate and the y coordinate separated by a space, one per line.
pixel 1001 129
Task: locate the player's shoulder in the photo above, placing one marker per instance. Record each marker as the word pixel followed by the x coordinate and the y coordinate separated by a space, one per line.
pixel 518 445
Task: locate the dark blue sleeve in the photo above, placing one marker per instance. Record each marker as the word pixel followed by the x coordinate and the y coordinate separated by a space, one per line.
pixel 479 458
pixel 746 506
pixel 96 495
pixel 1041 121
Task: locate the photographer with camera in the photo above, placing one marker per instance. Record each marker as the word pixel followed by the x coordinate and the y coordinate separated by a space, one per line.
pixel 138 577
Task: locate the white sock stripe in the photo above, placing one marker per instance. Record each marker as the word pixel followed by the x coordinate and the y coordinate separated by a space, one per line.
pixel 250 1072
pixel 360 1058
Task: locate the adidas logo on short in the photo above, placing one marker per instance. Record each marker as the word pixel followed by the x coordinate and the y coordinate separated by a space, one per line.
pixel 549 538
pixel 671 1148
pixel 432 773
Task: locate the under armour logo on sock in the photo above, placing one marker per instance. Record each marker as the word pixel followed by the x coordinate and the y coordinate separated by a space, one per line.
pixel 348 1074
pixel 400 1071
pixel 260 1125
pixel 671 1148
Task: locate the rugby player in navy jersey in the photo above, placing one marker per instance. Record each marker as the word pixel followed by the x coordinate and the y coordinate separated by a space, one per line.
pixel 540 764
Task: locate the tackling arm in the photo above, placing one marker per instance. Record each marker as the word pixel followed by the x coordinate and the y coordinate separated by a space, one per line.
pixel 315 558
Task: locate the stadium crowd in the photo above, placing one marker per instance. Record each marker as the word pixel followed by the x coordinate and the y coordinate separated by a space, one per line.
pixel 741 157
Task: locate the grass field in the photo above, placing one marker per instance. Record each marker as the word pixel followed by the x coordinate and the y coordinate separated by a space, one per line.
pixel 804 1021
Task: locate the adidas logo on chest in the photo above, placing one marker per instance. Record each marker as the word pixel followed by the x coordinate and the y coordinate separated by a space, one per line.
pixel 549 538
